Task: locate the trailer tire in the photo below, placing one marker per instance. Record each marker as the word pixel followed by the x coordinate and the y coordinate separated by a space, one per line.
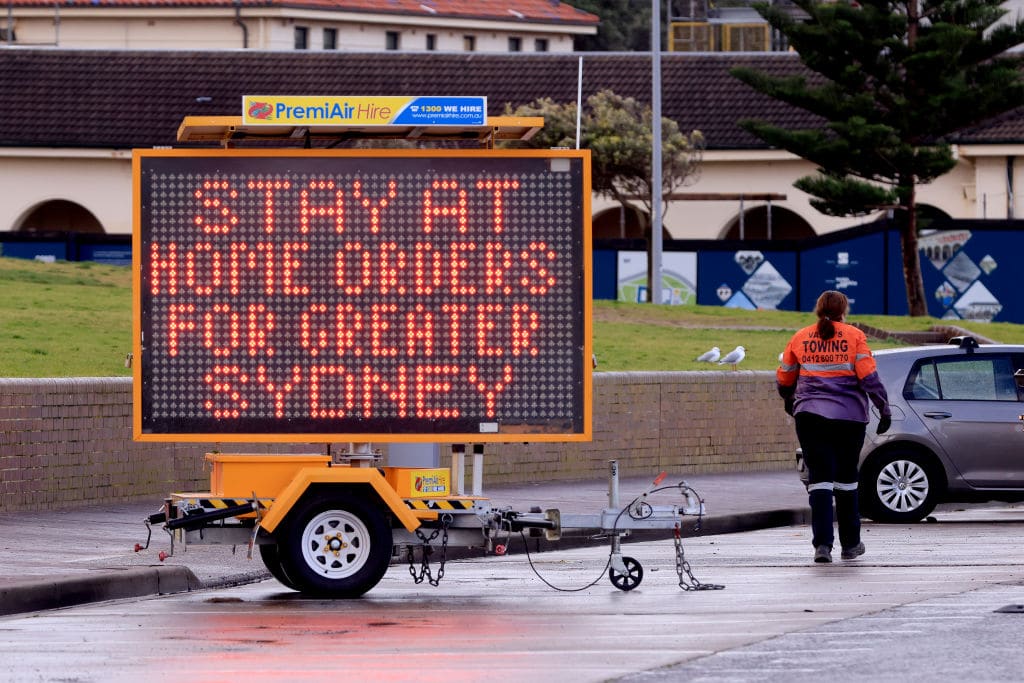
pixel 271 556
pixel 335 545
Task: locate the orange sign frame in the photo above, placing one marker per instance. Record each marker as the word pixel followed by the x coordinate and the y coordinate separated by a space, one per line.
pixel 207 181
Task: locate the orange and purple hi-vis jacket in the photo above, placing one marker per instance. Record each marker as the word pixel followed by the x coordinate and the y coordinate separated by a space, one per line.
pixel 831 377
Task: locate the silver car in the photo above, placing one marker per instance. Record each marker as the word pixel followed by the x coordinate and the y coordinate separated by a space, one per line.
pixel 957 430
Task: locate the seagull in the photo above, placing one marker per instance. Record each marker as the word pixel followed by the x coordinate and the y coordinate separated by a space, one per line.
pixel 709 356
pixel 734 357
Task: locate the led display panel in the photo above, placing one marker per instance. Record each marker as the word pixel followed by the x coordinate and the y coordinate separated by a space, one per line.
pixel 386 295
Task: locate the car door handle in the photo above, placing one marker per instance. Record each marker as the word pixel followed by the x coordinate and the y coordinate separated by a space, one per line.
pixel 938 416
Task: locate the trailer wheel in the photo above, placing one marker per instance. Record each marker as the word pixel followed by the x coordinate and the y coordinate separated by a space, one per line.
pixel 336 546
pixel 271 557
pixel 631 579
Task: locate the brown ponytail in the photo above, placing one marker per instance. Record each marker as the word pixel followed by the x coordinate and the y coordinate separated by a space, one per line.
pixel 831 308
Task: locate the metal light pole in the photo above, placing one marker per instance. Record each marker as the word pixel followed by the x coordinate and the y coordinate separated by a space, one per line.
pixel 654 278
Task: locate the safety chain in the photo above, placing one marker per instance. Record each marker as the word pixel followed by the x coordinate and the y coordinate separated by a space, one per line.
pixel 689 582
pixel 424 571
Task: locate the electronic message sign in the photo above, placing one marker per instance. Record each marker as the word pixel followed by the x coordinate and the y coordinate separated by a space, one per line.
pixel 386 295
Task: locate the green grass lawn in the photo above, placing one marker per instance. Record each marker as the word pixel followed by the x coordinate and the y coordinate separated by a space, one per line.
pixel 644 337
pixel 74 320
pixel 64 319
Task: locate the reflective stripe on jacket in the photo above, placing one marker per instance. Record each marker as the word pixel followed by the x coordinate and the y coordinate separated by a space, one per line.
pixel 833 377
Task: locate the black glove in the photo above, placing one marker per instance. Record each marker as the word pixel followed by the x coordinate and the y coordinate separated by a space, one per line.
pixel 787 404
pixel 884 423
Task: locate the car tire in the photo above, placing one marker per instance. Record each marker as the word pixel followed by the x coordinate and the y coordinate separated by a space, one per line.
pixel 900 486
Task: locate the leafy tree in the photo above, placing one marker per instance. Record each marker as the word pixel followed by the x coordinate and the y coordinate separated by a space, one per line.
pixel 893 81
pixel 625 25
pixel 617 131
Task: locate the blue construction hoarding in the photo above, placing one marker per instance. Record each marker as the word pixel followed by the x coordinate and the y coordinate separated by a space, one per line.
pixel 68 246
pixel 968 269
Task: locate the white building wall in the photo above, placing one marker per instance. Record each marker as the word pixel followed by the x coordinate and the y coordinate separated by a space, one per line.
pixel 100 181
pixel 953 193
pixel 202 31
pixel 775 172
pixel 1014 12
pixel 271 29
pixel 991 188
pixel 750 172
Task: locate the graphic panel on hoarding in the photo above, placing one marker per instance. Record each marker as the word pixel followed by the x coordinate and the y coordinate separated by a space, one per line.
pixel 746 279
pixel 678 277
pixel 988 264
pixel 961 271
pixel 749 260
pixel 967 287
pixel 851 266
pixel 766 287
pixel 939 246
pixel 978 303
pixel 404 295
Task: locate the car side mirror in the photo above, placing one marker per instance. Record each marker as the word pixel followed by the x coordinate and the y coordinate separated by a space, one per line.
pixel 1018 378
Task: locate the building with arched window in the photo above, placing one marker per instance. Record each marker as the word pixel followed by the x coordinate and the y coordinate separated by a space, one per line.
pixel 72 117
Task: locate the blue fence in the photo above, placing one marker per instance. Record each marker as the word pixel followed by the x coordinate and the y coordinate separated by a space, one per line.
pixel 968 268
pixel 70 246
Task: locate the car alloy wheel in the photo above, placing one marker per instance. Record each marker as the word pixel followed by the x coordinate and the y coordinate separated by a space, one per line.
pixel 902 485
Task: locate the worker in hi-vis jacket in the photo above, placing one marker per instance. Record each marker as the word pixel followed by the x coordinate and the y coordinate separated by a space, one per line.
pixel 826 376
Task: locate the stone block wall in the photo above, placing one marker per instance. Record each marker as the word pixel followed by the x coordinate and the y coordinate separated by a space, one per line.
pixel 682 422
pixel 68 442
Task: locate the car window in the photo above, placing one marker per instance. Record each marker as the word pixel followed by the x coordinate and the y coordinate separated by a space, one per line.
pixel 975 379
pixel 922 385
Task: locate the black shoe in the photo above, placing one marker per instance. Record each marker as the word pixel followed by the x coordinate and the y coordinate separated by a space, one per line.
pixel 853 553
pixel 823 554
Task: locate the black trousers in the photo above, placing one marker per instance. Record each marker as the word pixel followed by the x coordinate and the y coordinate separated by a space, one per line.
pixel 831 450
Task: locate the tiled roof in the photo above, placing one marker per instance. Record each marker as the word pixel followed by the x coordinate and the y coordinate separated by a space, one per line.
pixel 551 11
pixel 123 99
pixel 1005 128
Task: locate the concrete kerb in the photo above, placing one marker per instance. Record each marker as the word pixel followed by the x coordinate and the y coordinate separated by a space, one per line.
pixel 58 592
pixel 32 596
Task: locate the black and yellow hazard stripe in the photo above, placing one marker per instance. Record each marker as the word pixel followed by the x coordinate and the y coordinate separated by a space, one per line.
pixel 222 503
pixel 437 504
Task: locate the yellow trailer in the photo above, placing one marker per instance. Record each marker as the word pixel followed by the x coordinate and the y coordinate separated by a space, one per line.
pixel 322 525
pixel 331 526
pixel 288 289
